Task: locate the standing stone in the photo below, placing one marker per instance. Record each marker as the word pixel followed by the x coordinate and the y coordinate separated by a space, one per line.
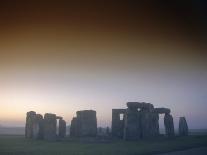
pixel 132 128
pixel 38 127
pixel 169 125
pixel 117 123
pixel 183 127
pixel 86 123
pixel 74 127
pixel 149 121
pixel 154 124
pixel 62 128
pixel 50 124
pixel 30 119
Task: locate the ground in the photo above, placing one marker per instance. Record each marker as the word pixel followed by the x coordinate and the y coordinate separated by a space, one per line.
pixel 18 145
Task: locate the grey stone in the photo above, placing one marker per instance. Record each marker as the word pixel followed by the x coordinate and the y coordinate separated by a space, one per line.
pixel 62 128
pixel 141 121
pixel 132 128
pixel 162 110
pixel 85 124
pixel 50 124
pixel 74 127
pixel 117 123
pixel 38 127
pixel 139 105
pixel 34 128
pixel 149 124
pixel 30 119
pixel 169 125
pixel 183 127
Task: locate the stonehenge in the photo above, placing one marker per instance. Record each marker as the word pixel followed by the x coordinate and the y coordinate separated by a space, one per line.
pixel 84 124
pixel 183 127
pixel 138 121
pixel 141 121
pixel 45 128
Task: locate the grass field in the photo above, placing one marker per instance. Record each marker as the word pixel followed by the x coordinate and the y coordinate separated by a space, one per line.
pixel 18 145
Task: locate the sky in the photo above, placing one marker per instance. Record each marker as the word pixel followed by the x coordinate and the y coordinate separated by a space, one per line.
pixel 60 57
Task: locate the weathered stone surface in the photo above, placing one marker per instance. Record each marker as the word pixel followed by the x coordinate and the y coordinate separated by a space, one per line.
pixel 117 123
pixel 30 119
pixel 162 110
pixel 183 127
pixel 62 128
pixel 132 128
pixel 50 124
pixel 74 127
pixel 139 105
pixel 85 124
pixel 33 128
pixel 169 125
pixel 38 127
pixel 141 120
pixel 149 124
pixel 154 125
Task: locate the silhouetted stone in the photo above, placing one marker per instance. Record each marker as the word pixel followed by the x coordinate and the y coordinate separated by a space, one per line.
pixel 139 105
pixel 132 128
pixel 62 128
pixel 85 124
pixel 74 127
pixel 154 125
pixel 169 125
pixel 162 110
pixel 34 128
pixel 149 124
pixel 50 124
pixel 183 127
pixel 30 119
pixel 38 127
pixel 117 123
pixel 141 121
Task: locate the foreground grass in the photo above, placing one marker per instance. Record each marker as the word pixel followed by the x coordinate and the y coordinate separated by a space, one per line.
pixel 18 145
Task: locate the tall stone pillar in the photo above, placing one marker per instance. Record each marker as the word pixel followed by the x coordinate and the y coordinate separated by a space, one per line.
pixel 86 123
pixel 183 127
pixel 74 127
pixel 118 124
pixel 149 121
pixel 132 129
pixel 62 128
pixel 30 119
pixel 38 127
pixel 169 125
pixel 154 124
pixel 50 124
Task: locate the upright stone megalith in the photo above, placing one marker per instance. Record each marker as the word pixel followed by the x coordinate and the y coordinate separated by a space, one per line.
pixel 62 128
pixel 132 126
pixel 50 124
pixel 74 127
pixel 38 127
pixel 30 119
pixel 118 122
pixel 183 127
pixel 149 121
pixel 169 125
pixel 84 125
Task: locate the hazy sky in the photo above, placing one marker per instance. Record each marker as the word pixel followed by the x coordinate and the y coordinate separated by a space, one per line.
pixel 63 57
